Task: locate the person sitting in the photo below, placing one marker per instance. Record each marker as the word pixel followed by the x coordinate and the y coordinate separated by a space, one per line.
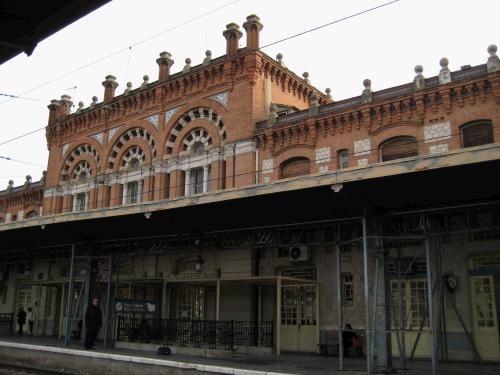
pixel 351 339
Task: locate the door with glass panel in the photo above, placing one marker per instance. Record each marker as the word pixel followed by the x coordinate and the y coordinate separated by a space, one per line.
pixel 485 318
pixel 298 318
pixel 415 315
pixel 190 303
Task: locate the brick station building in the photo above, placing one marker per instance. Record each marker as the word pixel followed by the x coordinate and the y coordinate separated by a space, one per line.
pixel 234 190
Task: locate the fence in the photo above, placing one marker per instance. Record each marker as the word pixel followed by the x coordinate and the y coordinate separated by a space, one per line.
pixel 211 334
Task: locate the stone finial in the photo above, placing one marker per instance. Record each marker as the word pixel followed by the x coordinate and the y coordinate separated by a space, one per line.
pixel 128 89
pixel 273 113
pixel 253 26
pixel 110 86
pixel 444 73
pixel 232 35
pixel 419 80
pixel 366 95
pixel 493 64
pixel 208 57
pixel 305 76
pixel 145 81
pixel 94 102
pixel 80 107
pixel 165 62
pixel 328 92
pixel 11 186
pixel 187 67
pixel 27 182
pixel 279 59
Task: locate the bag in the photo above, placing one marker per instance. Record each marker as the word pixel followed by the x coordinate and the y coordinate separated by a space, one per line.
pixel 164 350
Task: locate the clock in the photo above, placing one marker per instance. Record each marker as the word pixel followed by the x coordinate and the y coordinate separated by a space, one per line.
pixel 451 282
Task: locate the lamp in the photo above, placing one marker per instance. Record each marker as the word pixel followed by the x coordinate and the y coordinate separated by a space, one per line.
pixel 147 214
pixel 337 187
pixel 199 264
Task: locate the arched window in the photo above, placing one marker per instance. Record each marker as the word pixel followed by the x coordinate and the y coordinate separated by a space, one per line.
pixel 198 148
pixel 295 167
pixel 31 215
pixel 476 133
pixel 398 148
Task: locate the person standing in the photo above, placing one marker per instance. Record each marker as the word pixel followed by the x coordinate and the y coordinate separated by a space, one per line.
pixel 31 320
pixel 93 323
pixel 21 319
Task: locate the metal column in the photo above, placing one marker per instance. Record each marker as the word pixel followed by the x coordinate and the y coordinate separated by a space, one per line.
pixel 108 303
pixel 339 310
pixel 430 303
pixel 69 320
pixel 367 307
pixel 401 328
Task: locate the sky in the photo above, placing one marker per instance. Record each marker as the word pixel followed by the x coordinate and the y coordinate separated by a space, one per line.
pixel 124 38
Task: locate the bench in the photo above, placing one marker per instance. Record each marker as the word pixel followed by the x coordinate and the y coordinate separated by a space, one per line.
pixel 330 344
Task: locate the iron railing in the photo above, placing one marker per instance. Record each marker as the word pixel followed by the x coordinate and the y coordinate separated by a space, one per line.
pixel 212 334
pixel 6 323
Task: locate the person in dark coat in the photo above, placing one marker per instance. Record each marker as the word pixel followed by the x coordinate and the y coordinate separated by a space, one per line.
pixel 21 319
pixel 93 323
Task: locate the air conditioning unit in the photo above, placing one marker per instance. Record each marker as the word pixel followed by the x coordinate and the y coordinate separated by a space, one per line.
pixel 298 253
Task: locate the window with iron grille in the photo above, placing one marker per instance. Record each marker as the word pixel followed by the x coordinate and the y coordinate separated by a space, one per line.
pixel 133 192
pixel 343 158
pixel 347 289
pixel 81 202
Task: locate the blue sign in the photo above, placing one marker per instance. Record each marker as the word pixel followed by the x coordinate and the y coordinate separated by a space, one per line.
pixel 135 306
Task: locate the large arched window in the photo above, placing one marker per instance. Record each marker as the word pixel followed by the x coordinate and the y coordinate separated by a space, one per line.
pixel 398 148
pixel 476 133
pixel 295 167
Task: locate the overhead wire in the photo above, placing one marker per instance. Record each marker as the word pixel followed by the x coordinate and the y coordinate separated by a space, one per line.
pixel 129 48
pixel 124 49
pixel 172 189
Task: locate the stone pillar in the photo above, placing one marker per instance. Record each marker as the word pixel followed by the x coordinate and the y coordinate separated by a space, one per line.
pixel 215 169
pixel 124 193
pixel 103 196
pixel 73 208
pixel 232 35
pixel 140 189
pixel 205 177
pixel 148 188
pixel 253 28
pixel 116 195
pixel 176 183
pixel 164 62
pixel 161 186
pixel 187 183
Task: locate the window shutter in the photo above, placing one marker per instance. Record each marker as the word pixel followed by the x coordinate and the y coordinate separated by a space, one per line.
pixel 477 134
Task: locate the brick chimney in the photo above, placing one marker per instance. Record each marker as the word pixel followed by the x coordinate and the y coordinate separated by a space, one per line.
pixel 110 86
pixel 232 35
pixel 164 62
pixel 53 111
pixel 65 105
pixel 253 27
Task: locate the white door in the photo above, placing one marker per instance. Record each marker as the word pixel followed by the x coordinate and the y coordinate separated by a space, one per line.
pixel 485 316
pixel 299 331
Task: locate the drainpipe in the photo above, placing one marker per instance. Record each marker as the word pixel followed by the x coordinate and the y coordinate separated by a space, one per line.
pixel 234 164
